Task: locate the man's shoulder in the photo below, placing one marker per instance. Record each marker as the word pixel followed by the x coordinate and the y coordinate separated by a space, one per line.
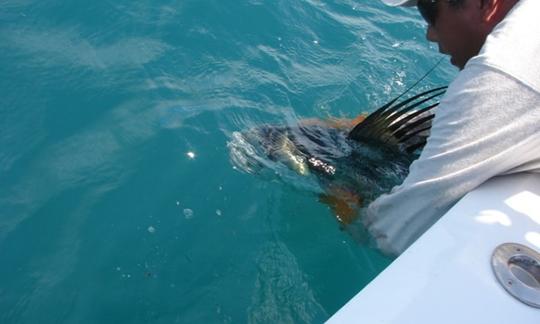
pixel 514 45
pixel 482 100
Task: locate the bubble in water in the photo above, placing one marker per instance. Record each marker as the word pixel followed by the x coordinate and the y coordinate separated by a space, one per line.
pixel 188 213
pixel 151 229
pixel 190 155
pixel 218 212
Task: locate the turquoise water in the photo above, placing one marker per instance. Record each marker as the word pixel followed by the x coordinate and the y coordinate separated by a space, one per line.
pixel 118 201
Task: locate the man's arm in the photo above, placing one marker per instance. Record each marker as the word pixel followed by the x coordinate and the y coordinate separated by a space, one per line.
pixel 488 124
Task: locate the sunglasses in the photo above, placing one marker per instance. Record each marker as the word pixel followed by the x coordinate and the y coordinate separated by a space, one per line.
pixel 429 9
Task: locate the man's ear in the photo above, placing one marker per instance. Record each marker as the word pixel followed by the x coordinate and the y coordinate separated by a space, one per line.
pixel 493 11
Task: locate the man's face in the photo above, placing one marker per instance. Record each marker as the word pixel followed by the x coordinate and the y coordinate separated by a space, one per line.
pixel 458 30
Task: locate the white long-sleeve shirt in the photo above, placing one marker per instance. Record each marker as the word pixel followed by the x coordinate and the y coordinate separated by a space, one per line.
pixel 487 124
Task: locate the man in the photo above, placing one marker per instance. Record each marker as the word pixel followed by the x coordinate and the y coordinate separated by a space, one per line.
pixel 488 122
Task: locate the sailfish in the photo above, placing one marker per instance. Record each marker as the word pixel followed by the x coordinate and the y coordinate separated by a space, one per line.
pixel 354 161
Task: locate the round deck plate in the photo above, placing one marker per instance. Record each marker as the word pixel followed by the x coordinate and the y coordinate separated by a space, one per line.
pixel 517 267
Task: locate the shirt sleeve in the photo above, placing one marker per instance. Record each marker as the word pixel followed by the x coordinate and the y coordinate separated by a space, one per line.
pixel 486 125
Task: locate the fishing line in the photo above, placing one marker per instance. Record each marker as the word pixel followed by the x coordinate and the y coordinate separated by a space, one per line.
pixel 422 78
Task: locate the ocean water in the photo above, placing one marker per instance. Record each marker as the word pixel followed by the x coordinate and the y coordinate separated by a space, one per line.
pixel 118 199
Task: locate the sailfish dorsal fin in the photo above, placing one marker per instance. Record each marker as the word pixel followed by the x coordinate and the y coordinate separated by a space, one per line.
pixel 400 124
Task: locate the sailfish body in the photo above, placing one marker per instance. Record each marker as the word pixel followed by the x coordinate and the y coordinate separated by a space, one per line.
pixel 361 162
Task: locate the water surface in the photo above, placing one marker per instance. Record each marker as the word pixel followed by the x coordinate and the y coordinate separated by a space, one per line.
pixel 118 202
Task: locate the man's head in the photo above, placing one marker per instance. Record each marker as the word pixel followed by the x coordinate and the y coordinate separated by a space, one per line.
pixel 459 27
